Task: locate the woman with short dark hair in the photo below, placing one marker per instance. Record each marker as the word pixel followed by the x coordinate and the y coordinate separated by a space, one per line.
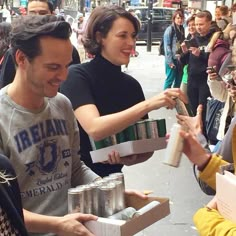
pixel 106 100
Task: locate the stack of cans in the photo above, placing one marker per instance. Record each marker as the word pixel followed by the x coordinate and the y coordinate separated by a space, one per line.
pixel 145 129
pixel 103 198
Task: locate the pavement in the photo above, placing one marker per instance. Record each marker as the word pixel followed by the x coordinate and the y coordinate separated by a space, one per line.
pixel 177 184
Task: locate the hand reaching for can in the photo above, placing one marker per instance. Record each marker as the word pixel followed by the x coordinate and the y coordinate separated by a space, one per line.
pixel 166 99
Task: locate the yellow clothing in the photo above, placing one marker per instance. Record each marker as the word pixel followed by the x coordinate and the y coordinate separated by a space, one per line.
pixel 208 175
pixel 209 222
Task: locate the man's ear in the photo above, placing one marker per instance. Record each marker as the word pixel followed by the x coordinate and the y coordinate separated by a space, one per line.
pixel 21 58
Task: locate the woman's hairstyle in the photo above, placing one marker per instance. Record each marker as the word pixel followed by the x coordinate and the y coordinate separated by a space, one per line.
pixel 191 18
pixel 27 30
pixel 224 10
pixel 179 12
pixel 5 29
pixel 101 21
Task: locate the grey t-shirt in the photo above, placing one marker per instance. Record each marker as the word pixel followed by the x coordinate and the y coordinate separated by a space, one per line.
pixel 43 147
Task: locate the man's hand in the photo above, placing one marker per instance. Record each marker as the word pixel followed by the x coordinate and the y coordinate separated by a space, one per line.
pixel 194 151
pixel 184 47
pixel 136 193
pixel 72 224
pixel 193 124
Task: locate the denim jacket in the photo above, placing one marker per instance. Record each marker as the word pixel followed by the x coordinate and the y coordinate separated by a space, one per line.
pixel 170 47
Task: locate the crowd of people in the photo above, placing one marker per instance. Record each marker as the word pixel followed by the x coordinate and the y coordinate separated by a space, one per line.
pixel 207 57
pixel 46 135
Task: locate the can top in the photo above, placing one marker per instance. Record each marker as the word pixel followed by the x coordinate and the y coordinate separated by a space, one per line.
pixel 87 187
pixel 108 186
pixel 117 174
pixel 141 121
pixel 75 190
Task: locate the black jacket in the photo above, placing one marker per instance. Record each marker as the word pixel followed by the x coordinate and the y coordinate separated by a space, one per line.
pixel 10 199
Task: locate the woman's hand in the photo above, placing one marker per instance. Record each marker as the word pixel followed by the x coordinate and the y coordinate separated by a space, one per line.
pixel 114 158
pixel 172 65
pixel 166 99
pixel 136 193
pixel 212 75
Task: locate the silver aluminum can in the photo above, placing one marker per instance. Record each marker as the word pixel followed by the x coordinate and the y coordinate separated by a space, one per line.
pixel 100 182
pixel 120 195
pixel 118 176
pixel 113 139
pixel 108 201
pixel 108 179
pixel 174 147
pixel 125 214
pixel 141 130
pixel 75 200
pixel 87 199
pixel 95 199
pixel 180 107
pixel 152 130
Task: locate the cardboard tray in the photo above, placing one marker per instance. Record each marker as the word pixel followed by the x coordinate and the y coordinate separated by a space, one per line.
pixel 108 227
pixel 129 148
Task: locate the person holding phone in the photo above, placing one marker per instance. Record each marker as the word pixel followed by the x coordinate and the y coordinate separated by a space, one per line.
pixel 197 60
pixel 191 35
pixel 224 91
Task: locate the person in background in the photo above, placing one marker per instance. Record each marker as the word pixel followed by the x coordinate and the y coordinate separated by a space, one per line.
pixel 81 26
pixel 11 214
pixel 197 60
pixel 6 15
pixel 5 29
pixel 217 14
pixel 191 34
pixel 225 18
pixel 106 100
pixel 173 37
pixel 221 88
pixel 35 7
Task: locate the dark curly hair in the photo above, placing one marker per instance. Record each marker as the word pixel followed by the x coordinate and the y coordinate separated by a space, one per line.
pixel 101 20
pixel 27 30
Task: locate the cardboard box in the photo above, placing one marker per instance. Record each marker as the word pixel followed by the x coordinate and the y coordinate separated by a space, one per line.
pixel 111 227
pixel 129 148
